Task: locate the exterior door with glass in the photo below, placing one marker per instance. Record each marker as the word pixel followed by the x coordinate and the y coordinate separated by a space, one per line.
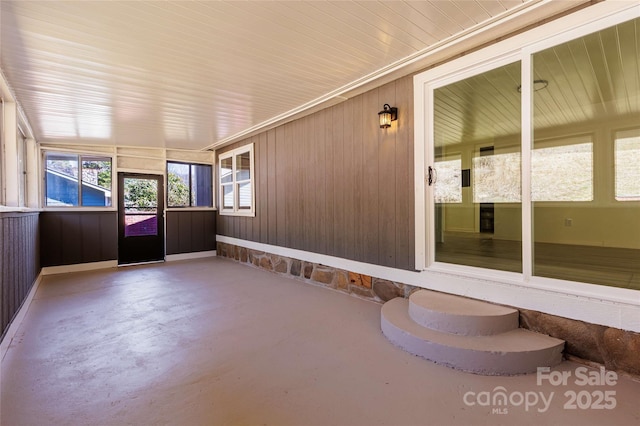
pixel 140 218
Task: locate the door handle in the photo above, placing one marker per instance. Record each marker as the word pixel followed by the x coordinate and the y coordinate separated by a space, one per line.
pixel 432 176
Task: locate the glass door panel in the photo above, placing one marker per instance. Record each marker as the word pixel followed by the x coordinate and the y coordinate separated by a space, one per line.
pixel 477 192
pixel 140 207
pixel 586 159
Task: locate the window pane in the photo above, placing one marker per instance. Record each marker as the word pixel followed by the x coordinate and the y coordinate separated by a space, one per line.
pixel 96 181
pixel 201 186
pixel 227 191
pixel 177 185
pixel 562 173
pixel 244 191
pixel 478 120
pixel 627 165
pixel 585 235
pixel 226 170
pixel 243 166
pixel 61 180
pixel 448 186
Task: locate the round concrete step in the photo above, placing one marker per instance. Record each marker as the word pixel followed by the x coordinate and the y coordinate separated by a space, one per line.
pixel 458 315
pixel 514 352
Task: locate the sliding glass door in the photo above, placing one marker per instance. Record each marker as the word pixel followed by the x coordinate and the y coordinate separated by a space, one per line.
pixel 585 176
pixel 542 178
pixel 476 174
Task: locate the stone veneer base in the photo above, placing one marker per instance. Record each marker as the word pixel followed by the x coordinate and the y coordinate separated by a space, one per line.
pixel 614 348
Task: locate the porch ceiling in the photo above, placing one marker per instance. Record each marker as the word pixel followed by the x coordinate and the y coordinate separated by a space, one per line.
pixel 182 74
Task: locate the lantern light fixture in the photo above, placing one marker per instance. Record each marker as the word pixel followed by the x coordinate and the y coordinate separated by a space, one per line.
pixel 387 115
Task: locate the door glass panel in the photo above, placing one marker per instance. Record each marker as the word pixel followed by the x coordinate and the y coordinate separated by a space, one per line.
pixel 585 190
pixel 477 198
pixel 140 207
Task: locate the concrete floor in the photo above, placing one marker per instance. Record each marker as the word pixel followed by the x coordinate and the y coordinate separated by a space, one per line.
pixel 210 342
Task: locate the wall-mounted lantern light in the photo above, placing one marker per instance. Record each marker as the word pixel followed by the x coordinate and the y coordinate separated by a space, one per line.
pixel 387 115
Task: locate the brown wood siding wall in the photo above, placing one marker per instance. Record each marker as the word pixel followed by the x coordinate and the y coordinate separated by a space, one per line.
pixel 19 262
pixel 335 183
pixel 191 231
pixel 70 238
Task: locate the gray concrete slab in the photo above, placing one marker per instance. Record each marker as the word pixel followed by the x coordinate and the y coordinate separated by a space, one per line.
pixel 210 342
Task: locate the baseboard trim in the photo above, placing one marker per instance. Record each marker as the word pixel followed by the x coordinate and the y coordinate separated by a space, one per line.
pixel 187 256
pixel 17 319
pixel 79 267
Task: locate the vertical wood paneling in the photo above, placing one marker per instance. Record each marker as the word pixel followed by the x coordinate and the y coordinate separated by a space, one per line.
pixel 387 182
pixel 238 228
pixel 248 222
pixel 190 231
pixel 301 208
pixel 78 237
pixel 320 181
pixel 71 235
pixel 51 231
pixel 281 177
pixel 272 188
pixel 349 170
pixel 262 192
pixel 358 165
pixel 405 223
pixel 197 231
pixel 291 184
pixel 335 183
pixel 370 172
pixel 210 226
pixel 184 229
pixel 222 222
pixel 19 262
pixel 5 265
pixel 89 249
pixel 305 223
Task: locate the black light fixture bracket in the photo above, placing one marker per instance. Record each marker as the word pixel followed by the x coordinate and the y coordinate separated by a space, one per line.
pixel 387 115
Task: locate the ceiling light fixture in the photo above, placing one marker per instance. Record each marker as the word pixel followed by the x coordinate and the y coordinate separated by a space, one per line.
pixel 537 85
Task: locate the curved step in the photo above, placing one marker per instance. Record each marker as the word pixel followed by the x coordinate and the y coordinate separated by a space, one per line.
pixel 517 351
pixel 459 315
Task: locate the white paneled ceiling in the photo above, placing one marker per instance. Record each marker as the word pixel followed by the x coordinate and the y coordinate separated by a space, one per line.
pixel 183 74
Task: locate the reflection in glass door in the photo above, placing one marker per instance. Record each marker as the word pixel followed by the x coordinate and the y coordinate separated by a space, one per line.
pixel 140 214
pixel 477 194
pixel 585 176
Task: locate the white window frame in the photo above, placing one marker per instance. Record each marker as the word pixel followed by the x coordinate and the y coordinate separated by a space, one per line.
pixel 235 209
pixel 43 169
pixel 615 173
pixel 611 306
